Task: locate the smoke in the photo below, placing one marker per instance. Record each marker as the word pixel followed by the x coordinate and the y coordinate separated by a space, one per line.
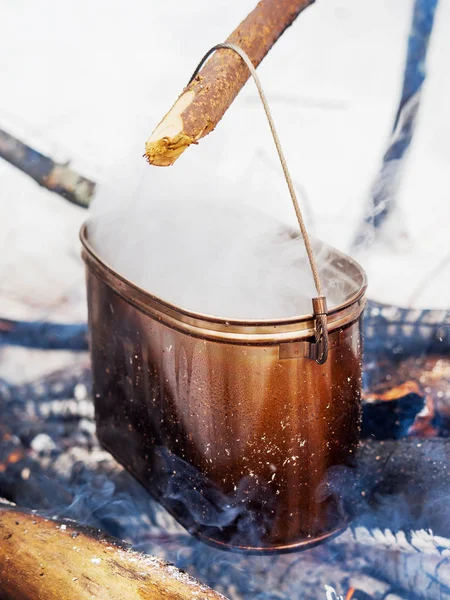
pixel 188 235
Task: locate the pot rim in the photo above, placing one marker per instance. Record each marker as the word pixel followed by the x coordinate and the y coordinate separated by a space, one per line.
pixel 283 327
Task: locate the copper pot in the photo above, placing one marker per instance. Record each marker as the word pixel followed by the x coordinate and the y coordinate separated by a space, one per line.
pixel 231 425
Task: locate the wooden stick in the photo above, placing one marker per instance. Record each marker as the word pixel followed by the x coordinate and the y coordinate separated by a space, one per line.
pixel 56 177
pixel 204 102
pixel 41 558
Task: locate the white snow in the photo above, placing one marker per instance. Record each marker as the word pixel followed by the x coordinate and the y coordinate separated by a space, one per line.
pixel 89 81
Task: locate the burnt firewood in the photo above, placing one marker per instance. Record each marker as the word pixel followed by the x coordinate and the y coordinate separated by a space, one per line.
pixel 385 187
pixel 58 178
pixel 390 332
pixel 414 567
pixel 397 332
pixel 400 485
pixel 409 396
pixel 423 575
pixel 42 558
pixel 73 381
pixel 91 487
pixel 44 335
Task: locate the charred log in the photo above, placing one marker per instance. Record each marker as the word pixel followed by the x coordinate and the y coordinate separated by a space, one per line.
pixel 58 178
pixel 44 335
pixel 398 333
pixel 402 485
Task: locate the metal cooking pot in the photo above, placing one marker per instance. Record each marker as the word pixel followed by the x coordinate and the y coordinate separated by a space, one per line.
pixel 231 425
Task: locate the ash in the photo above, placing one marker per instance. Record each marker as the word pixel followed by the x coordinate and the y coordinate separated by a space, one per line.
pixel 50 460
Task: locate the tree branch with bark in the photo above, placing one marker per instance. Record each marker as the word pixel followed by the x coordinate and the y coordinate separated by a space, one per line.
pixel 205 100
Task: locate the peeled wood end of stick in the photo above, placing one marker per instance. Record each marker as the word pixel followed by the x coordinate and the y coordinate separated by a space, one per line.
pixel 165 151
pixel 169 140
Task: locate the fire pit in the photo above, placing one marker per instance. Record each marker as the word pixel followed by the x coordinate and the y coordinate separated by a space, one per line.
pixel 397 546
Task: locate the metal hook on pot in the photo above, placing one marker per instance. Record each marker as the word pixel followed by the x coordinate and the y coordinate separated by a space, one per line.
pixel 319 303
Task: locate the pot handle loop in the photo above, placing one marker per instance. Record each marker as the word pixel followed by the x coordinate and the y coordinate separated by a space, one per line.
pixel 319 303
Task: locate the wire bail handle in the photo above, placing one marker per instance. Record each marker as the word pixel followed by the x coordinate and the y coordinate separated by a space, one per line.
pixel 319 303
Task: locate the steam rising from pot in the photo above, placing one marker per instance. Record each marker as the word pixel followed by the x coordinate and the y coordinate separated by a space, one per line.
pixel 195 242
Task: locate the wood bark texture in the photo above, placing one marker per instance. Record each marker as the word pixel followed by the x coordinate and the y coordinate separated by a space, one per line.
pixel 204 102
pixel 45 559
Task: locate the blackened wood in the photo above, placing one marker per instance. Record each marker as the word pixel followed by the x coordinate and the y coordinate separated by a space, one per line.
pixel 58 178
pixel 401 485
pixel 44 335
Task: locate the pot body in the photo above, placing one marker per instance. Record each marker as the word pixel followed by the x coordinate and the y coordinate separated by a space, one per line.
pixel 232 426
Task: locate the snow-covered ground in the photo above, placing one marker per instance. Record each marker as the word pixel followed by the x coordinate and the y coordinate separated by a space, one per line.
pixel 87 82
